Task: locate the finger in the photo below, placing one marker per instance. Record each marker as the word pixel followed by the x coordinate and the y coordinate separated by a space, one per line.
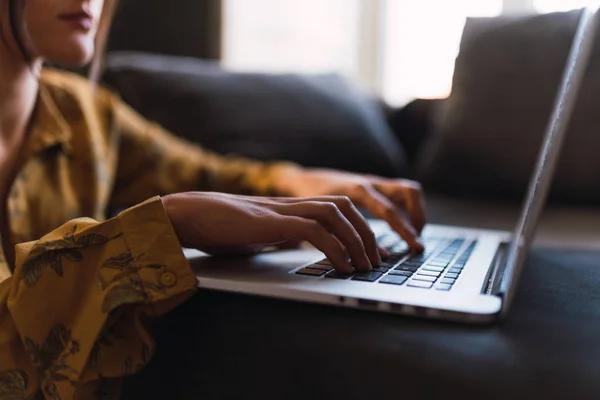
pixel 383 253
pixel 411 197
pixel 297 228
pixel 415 207
pixel 383 208
pixel 289 244
pixel 330 216
pixel 347 207
pixel 408 195
pixel 361 225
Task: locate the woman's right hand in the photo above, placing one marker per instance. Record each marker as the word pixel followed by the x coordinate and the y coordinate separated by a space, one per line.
pixel 218 223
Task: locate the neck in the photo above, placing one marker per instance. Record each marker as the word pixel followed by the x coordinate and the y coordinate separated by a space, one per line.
pixel 18 93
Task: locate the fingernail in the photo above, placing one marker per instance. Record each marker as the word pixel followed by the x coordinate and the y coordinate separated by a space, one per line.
pixel 348 268
pixel 420 244
pixel 383 252
pixel 366 266
pixel 378 259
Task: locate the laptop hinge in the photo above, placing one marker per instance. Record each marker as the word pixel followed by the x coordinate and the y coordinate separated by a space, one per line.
pixel 496 273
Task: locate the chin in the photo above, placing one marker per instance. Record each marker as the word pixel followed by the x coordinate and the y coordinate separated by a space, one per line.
pixel 76 53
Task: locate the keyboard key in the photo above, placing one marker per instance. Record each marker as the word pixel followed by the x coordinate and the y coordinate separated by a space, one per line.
pixel 458 265
pixel 395 257
pixel 311 272
pixel 401 273
pixel 430 273
pixel 417 258
pixel 443 286
pixel 455 270
pixel 412 263
pixel 367 276
pixel 424 278
pixel 338 275
pixel 381 269
pixel 325 268
pixel 406 268
pixel 445 256
pixel 387 264
pixel 394 280
pixel 456 244
pixel 432 268
pixel 451 275
pixel 448 281
pixel 436 263
pixel 466 253
pixel 420 284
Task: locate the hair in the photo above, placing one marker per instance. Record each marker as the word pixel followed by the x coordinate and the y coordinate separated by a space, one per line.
pixel 15 12
pixel 108 12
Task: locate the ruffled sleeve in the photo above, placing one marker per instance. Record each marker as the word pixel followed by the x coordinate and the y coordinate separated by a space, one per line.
pixel 73 315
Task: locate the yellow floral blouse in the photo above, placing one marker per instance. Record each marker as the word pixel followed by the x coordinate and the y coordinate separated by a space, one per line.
pixel 74 295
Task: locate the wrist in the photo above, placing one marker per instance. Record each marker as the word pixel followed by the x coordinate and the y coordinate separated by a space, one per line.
pixel 285 179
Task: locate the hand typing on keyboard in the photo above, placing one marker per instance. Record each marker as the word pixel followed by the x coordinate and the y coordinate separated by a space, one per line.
pixel 439 267
pixel 218 223
pixel 385 198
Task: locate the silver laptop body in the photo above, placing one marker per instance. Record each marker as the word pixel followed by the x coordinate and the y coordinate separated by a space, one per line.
pixel 467 275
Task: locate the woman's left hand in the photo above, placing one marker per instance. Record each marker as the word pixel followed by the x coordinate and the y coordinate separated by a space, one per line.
pixel 388 199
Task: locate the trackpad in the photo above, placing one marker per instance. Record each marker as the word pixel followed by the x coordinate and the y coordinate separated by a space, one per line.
pixel 258 266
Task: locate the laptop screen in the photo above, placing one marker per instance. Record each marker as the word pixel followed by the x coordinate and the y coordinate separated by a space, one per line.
pixel 541 180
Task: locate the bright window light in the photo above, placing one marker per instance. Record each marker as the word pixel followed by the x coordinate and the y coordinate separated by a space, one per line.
pixel 547 6
pixel 422 42
pixel 292 35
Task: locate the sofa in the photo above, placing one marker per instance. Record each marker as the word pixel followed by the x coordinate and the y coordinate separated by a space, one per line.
pixel 473 152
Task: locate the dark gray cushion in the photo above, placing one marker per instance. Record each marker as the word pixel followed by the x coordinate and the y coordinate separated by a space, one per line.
pixel 224 346
pixel 488 133
pixel 317 120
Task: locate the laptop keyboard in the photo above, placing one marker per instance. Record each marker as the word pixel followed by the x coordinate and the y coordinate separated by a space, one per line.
pixel 438 267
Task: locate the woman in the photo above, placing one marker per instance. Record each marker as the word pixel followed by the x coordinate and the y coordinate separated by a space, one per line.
pixel 75 290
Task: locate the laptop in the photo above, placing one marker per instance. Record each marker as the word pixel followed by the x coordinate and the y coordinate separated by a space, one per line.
pixel 465 275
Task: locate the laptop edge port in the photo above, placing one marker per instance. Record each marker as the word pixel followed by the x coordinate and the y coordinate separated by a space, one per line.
pixel 368 303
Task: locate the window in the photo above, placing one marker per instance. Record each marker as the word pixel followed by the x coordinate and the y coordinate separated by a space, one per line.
pixel 545 6
pixel 421 45
pixel 292 35
pixel 399 49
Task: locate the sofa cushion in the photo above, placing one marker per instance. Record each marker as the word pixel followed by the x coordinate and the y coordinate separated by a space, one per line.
pixel 315 120
pixel 487 135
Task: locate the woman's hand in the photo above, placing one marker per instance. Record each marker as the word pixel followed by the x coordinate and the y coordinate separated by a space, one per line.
pixel 223 223
pixel 388 199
